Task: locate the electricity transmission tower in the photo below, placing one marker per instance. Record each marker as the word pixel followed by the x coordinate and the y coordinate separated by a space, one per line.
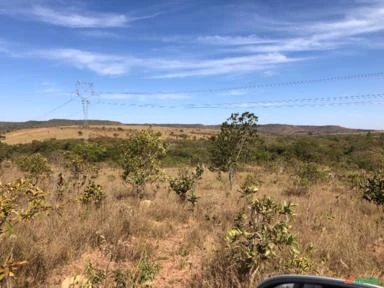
pixel 84 90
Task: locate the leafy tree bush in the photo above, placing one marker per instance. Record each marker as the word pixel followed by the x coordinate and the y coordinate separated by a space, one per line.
pixel 307 149
pixel 185 182
pixel 140 159
pixel 373 188
pixel 262 239
pixel 90 152
pixel 236 134
pixel 34 165
pixel 182 152
pixel 20 201
pixel 250 186
pixel 92 194
pixel 306 175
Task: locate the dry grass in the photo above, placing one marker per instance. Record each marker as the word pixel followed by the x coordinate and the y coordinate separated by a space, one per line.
pixel 96 131
pixel 347 234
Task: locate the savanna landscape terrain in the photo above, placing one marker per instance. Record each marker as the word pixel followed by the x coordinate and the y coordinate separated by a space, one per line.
pixel 201 144
pixel 188 206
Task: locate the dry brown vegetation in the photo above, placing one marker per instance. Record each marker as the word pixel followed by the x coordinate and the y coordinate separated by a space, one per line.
pixel 100 131
pixel 159 242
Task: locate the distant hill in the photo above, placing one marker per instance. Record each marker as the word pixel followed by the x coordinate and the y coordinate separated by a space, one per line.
pixel 283 129
pixel 11 126
pixel 274 129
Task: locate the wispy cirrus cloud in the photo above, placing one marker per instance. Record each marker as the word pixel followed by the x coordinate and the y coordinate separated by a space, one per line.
pixel 7 49
pixel 72 17
pixel 99 34
pixel 233 40
pixel 114 65
pixel 103 64
pixel 354 27
pixel 217 40
pixel 211 54
pixel 225 65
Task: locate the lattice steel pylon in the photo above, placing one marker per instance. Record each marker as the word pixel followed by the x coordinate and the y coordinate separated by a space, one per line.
pixel 84 90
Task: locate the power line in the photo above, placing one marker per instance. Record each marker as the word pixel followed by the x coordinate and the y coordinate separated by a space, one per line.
pixel 255 85
pixel 81 89
pixel 85 100
pixel 57 107
pixel 293 102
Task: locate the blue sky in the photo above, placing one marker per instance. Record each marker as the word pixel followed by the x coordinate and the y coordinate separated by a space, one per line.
pixel 193 61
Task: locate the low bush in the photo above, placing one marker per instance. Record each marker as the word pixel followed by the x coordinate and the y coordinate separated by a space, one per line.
pixel 183 185
pixel 34 165
pixel 92 194
pixel 373 188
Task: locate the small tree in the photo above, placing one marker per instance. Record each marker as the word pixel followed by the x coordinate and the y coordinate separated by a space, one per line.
pixel 373 188
pixel 234 138
pixel 20 201
pixel 184 184
pixel 34 165
pixel 90 152
pixel 263 239
pixel 92 194
pixel 140 159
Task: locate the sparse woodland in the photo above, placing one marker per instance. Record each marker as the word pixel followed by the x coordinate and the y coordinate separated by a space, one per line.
pixel 193 209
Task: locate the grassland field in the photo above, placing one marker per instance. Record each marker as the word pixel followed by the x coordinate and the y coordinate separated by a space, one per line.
pixel 157 241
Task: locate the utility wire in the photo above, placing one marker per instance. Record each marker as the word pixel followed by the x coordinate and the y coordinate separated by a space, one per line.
pixel 255 85
pixel 57 107
pixel 228 89
pixel 293 102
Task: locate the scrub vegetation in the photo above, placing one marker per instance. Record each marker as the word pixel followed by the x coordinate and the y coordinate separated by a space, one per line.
pixel 157 209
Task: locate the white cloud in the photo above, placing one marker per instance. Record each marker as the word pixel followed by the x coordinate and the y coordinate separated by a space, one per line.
pixel 48 87
pixel 109 64
pixel 227 65
pixel 236 92
pixel 77 20
pixel 7 49
pixel 217 40
pixel 242 54
pixel 233 40
pixel 104 64
pixel 353 27
pixel 71 17
pixel 102 34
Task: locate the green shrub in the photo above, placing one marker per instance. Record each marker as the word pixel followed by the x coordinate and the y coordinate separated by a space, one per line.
pixel 250 186
pixel 95 276
pixel 307 174
pixel 20 201
pixel 145 271
pixel 141 155
pixel 121 279
pixel 236 135
pixel 183 185
pixel 262 239
pixel 373 189
pixel 92 194
pixel 34 165
pixel 90 152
